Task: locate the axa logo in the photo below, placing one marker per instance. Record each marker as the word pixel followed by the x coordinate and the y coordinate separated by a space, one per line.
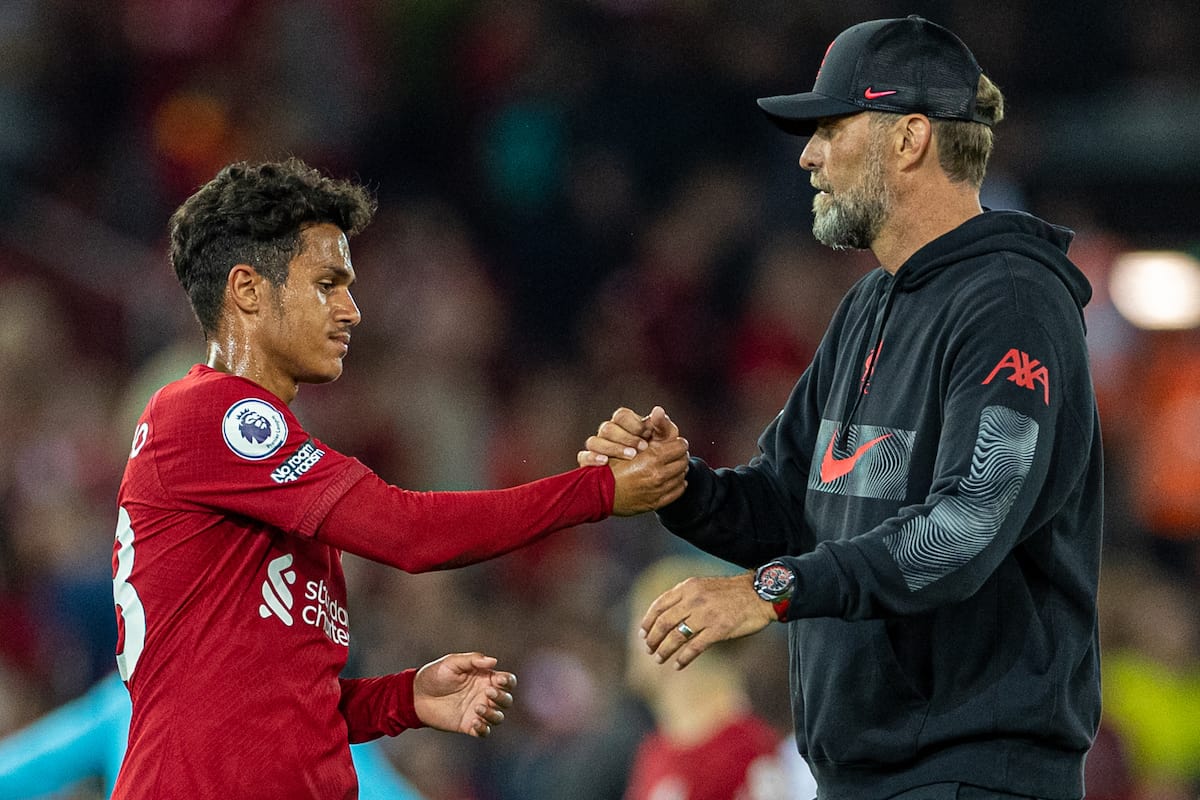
pixel 1026 372
pixel 276 590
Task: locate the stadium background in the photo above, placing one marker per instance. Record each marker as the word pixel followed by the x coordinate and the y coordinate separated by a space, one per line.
pixel 580 207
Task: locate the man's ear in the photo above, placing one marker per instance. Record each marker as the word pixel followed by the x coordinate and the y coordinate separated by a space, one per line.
pixel 915 140
pixel 245 288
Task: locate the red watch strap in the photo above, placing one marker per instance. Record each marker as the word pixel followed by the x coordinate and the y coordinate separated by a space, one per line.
pixel 781 608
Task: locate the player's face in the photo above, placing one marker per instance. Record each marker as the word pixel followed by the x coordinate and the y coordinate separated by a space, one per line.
pixel 845 157
pixel 310 316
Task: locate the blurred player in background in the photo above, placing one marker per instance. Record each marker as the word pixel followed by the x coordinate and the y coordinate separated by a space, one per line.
pixel 227 575
pixel 926 509
pixel 708 744
pixel 82 743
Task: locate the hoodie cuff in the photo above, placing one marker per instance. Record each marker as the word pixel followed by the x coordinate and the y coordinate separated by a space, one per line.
pixel 818 591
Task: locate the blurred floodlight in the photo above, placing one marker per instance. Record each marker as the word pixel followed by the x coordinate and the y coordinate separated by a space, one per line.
pixel 1157 289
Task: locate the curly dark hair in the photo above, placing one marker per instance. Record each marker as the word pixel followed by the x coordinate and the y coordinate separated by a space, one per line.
pixel 253 214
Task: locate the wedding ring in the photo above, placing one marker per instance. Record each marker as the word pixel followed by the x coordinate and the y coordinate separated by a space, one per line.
pixel 685 631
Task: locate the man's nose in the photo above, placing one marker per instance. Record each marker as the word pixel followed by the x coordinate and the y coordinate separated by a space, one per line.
pixel 808 157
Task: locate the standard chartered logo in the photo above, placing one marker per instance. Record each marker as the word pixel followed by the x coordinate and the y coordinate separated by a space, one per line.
pixel 277 596
pixel 323 610
pixel 326 613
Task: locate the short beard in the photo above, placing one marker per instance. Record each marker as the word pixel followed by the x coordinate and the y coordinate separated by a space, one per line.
pixel 853 218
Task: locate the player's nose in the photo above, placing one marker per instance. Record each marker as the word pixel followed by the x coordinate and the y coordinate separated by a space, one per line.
pixel 348 312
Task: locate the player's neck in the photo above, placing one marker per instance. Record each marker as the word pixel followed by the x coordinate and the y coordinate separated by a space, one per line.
pixel 231 355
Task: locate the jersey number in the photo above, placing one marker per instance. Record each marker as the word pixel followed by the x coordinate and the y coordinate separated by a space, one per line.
pixel 131 616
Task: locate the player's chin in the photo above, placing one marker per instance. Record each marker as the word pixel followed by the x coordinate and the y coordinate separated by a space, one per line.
pixel 325 373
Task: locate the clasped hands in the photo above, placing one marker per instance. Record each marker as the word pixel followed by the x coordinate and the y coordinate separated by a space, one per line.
pixel 713 608
pixel 648 458
pixel 464 693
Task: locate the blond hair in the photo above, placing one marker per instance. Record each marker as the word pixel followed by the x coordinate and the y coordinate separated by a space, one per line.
pixel 964 147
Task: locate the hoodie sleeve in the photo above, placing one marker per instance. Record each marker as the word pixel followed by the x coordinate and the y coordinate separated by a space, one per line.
pixel 749 514
pixel 1008 454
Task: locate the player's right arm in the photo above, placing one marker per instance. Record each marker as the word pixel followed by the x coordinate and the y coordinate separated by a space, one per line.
pixel 223 444
pixel 421 531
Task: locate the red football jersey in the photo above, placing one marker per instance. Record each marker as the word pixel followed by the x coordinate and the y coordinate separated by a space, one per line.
pixel 230 596
pixel 738 762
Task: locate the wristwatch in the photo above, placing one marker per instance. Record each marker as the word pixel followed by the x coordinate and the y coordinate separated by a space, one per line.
pixel 775 582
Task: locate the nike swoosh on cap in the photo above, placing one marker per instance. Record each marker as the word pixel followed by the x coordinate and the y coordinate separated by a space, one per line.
pixel 833 468
pixel 871 94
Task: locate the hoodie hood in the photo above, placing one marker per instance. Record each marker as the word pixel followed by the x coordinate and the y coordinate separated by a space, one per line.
pixel 987 234
pixel 999 231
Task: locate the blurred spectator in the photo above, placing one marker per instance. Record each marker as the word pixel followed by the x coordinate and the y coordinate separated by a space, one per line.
pixel 1163 459
pixel 79 746
pixel 554 178
pixel 707 742
pixel 1151 668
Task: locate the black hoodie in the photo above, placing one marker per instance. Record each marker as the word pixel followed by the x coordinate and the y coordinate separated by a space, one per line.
pixel 935 480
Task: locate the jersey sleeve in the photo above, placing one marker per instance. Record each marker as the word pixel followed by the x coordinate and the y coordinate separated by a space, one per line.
pixel 381 706
pixel 237 449
pixel 234 448
pixel 421 531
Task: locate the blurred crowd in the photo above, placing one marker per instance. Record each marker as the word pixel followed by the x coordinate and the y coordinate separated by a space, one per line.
pixel 580 207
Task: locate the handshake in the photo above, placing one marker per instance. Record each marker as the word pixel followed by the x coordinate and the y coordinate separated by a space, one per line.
pixel 650 461
pixel 648 457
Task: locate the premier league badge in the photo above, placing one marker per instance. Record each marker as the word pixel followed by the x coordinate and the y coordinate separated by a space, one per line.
pixel 254 429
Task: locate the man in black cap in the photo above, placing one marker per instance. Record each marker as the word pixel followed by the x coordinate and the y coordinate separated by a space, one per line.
pixel 925 512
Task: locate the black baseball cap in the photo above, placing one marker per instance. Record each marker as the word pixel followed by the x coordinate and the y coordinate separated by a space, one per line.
pixel 908 65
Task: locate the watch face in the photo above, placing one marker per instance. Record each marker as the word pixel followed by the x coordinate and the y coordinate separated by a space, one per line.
pixel 774 581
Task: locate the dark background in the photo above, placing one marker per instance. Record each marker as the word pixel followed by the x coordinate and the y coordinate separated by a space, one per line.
pixel 580 207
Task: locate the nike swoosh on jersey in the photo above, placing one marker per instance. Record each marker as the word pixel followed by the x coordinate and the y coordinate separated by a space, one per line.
pixel 833 468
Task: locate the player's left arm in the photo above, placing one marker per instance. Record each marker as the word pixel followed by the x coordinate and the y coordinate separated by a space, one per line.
pixel 1002 414
pixel 459 693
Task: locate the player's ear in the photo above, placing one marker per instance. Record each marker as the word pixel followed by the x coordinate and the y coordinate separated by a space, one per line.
pixel 245 288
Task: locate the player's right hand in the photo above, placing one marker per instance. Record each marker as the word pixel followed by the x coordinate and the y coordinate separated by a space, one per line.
pixel 625 435
pixel 651 479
